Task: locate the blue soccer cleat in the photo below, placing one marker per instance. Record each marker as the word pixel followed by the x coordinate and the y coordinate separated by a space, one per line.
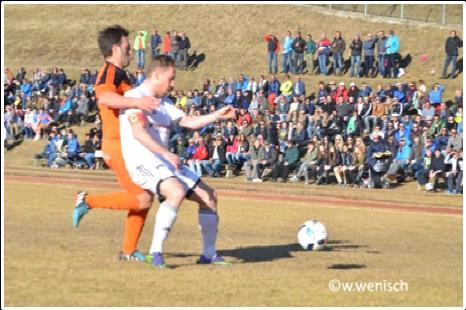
pixel 215 260
pixel 80 209
pixel 157 260
pixel 135 256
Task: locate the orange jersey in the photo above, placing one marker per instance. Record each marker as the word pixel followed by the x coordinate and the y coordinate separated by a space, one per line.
pixel 111 79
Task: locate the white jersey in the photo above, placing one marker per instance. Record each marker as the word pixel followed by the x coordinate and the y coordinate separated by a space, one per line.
pixel 146 168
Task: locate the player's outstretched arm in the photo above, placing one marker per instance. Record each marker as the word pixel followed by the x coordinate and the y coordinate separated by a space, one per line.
pixel 196 122
pixel 138 120
pixel 116 101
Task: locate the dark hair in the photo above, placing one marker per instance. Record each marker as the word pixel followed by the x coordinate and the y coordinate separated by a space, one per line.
pixel 108 37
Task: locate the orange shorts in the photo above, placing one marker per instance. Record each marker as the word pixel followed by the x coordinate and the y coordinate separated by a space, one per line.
pixel 114 159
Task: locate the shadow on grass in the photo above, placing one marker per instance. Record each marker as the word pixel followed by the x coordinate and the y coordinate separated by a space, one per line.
pixel 255 254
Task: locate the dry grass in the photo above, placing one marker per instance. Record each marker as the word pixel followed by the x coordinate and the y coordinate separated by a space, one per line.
pixel 230 36
pixel 50 263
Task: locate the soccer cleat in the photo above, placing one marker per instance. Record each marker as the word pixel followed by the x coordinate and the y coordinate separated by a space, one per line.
pixel 80 209
pixel 215 260
pixel 157 260
pixel 135 256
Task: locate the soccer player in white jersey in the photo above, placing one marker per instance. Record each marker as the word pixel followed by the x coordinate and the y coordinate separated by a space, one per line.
pixel 144 141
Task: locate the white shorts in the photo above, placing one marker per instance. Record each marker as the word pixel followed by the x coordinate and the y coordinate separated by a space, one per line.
pixel 150 174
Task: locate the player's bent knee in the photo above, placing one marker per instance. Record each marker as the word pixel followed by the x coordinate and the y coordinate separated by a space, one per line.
pixel 145 200
pixel 211 200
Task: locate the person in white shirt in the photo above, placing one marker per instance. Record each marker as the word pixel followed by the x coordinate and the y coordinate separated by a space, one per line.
pixel 144 141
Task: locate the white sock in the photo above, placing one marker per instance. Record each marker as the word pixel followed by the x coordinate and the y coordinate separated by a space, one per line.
pixel 208 220
pixel 164 220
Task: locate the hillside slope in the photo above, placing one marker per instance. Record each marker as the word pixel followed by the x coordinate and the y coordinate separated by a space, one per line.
pixel 230 36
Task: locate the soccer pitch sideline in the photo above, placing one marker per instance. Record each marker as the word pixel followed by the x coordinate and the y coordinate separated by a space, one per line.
pixel 374 257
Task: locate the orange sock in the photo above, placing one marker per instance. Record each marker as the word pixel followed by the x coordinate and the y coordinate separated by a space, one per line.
pixel 133 228
pixel 115 200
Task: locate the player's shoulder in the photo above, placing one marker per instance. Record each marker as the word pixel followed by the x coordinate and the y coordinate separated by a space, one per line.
pixel 137 92
pixel 167 100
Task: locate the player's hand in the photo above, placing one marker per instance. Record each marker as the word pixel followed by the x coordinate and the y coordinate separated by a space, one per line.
pixel 148 103
pixel 173 159
pixel 225 113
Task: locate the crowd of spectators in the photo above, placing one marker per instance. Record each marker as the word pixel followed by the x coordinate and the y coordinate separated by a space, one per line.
pixel 174 43
pixel 376 55
pixel 350 135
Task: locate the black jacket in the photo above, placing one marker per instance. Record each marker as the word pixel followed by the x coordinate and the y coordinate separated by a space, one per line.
pixel 299 45
pixel 452 45
pixel 220 151
pixel 356 48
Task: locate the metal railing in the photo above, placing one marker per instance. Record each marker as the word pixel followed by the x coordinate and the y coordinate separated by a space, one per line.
pixel 443 14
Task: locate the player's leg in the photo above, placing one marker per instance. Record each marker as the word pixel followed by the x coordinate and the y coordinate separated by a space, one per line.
pixel 172 193
pixel 206 197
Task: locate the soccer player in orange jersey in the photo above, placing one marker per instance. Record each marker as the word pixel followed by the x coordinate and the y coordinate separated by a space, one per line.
pixel 112 82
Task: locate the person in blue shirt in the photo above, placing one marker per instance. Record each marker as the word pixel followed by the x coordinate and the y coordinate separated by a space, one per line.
pixel 401 160
pixel 435 95
pixel 392 46
pixel 73 148
pixel 155 41
pixel 287 49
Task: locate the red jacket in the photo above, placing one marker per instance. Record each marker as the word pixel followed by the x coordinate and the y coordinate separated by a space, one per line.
pixel 166 44
pixel 269 37
pixel 340 92
pixel 323 43
pixel 201 153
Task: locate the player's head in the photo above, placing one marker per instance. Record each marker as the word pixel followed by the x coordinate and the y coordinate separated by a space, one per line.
pixel 114 43
pixel 161 75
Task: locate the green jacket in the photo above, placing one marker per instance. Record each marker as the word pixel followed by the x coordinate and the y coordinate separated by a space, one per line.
pixel 311 47
pixel 311 156
pixel 144 39
pixel 292 155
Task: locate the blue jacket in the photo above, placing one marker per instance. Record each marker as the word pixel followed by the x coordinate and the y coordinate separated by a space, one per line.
pixel 73 145
pixel 26 88
pixel 368 47
pixel 403 153
pixel 392 45
pixel 155 40
pixel 435 96
pixel 287 45
pixel 400 95
pixel 274 87
pixel 301 90
pixel 242 86
pixel 67 106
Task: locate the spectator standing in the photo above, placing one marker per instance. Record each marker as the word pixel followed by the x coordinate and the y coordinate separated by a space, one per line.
pixel 369 47
pixel 287 49
pixel 273 46
pixel 184 46
pixel 140 47
pixel 380 43
pixel 392 46
pixel 339 46
pixel 452 44
pixel 167 43
pixel 310 51
pixel 298 53
pixel 155 42
pixel 324 47
pixel 175 46
pixel 356 51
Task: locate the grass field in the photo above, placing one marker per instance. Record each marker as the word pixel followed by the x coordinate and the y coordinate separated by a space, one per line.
pixel 48 262
pixel 229 36
pixel 64 266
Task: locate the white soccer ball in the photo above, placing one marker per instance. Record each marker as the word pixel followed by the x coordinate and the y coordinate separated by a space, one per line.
pixel 312 235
